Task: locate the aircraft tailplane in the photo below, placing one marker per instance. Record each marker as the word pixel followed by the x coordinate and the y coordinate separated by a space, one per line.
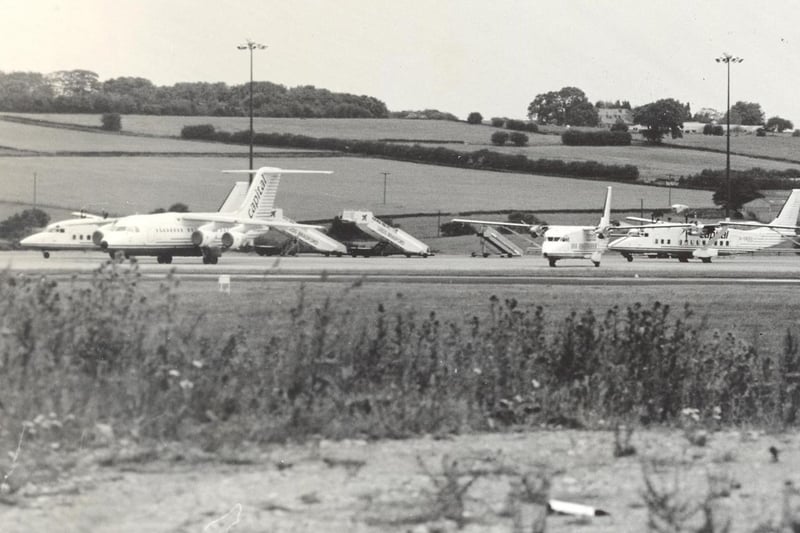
pixel 788 213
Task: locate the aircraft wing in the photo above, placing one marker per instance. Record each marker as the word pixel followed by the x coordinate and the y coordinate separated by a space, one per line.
pixel 650 224
pixel 90 216
pixel 757 225
pixel 251 223
pixel 493 223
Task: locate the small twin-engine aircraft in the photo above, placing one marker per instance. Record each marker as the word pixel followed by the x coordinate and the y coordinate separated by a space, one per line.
pixel 684 241
pixel 166 235
pixel 76 233
pixel 566 242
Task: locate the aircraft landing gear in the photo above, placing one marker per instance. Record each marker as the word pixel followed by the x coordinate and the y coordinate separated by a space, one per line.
pixel 705 259
pixel 683 259
pixel 164 259
pixel 210 259
pixel 596 263
pixel 629 258
pixel 552 261
pixel 46 255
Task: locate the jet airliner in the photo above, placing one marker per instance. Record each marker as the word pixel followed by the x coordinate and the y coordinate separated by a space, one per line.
pixel 166 235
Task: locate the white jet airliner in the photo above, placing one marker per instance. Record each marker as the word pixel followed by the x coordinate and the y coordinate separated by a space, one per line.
pixel 76 233
pixel 166 235
pixel 566 242
pixel 684 241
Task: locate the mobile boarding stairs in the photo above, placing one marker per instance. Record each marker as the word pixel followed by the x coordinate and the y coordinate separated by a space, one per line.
pixel 387 236
pixel 311 237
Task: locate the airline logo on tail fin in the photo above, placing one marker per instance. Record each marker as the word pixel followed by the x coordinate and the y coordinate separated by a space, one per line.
pixel 260 200
pixel 789 211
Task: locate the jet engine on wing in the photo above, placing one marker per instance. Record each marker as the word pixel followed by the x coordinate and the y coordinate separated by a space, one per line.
pixel 537 231
pixel 204 238
pixel 233 239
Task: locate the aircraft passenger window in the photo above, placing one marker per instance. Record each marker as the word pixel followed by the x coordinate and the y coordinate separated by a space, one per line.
pixel 73 237
pixel 669 241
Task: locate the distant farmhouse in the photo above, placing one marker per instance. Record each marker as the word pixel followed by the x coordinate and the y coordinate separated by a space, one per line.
pixel 610 115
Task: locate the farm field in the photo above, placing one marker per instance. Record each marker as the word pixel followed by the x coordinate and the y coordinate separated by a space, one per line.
pixel 50 140
pixel 778 146
pixel 367 129
pixel 126 185
pixel 653 162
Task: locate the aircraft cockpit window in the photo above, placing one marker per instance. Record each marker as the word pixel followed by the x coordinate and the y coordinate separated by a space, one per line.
pixel 565 238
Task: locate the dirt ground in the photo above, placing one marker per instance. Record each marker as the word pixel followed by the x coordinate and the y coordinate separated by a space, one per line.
pixel 392 485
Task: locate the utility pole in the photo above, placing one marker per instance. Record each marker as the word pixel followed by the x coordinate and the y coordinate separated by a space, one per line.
pixel 384 186
pixel 251 45
pixel 728 59
pixel 34 190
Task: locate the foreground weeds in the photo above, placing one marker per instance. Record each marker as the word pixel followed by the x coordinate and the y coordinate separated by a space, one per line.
pixel 84 361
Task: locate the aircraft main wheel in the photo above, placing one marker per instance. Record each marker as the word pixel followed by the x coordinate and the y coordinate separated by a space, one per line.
pixel 596 263
pixel 629 258
pixel 168 259
pixel 160 259
pixel 205 259
pixel 46 255
pixel 552 262
pixel 683 259
pixel 213 259
pixel 705 259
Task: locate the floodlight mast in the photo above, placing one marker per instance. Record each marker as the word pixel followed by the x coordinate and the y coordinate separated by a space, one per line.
pixel 728 59
pixel 251 45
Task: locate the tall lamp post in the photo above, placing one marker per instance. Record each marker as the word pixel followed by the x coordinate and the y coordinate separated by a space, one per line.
pixel 728 59
pixel 251 45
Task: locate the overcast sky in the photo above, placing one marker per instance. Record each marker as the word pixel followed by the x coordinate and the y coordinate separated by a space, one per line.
pixel 453 55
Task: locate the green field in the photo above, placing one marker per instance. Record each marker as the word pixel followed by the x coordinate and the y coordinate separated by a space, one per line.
pixel 127 185
pixel 779 146
pixel 50 140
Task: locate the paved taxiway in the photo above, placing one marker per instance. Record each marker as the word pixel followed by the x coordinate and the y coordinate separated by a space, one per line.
pixel 766 269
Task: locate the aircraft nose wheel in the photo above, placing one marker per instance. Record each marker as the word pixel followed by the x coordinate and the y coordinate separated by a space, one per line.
pixel 46 255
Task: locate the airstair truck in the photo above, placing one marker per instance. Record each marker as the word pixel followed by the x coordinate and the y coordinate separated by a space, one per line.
pixel 383 232
pixel 501 243
pixel 311 237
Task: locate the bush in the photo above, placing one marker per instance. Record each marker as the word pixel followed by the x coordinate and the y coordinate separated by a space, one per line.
pixel 619 126
pixel 761 132
pixel 573 137
pixel 498 122
pixel 454 229
pixel 475 118
pixel 111 121
pixel 499 138
pixel 204 132
pixel 518 138
pixel 713 129
pixel 796 133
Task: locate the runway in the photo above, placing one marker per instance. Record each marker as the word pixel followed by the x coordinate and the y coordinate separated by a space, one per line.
pixel 440 269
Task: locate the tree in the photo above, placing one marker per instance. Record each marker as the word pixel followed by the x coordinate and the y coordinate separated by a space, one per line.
pixel 661 117
pixel 518 138
pixel 619 125
pixel 111 121
pixel 474 118
pixel 779 124
pixel 743 189
pixel 567 106
pixel 178 208
pixel 499 138
pixel 20 224
pixel 746 114
pixel 498 122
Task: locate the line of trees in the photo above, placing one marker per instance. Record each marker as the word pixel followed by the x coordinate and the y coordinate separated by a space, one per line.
pixel 481 159
pixel 81 91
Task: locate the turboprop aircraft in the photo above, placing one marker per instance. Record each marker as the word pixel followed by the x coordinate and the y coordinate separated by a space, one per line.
pixel 71 234
pixel 76 233
pixel 684 241
pixel 566 242
pixel 166 235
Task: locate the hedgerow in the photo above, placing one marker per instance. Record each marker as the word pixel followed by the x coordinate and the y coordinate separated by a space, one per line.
pixel 480 159
pixel 573 137
pixel 82 353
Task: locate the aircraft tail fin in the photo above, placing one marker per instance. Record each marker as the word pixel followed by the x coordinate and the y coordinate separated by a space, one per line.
pixel 235 197
pixel 605 221
pixel 259 202
pixel 788 213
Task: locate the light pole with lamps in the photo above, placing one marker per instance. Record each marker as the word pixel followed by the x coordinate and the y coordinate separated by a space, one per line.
pixel 251 45
pixel 728 59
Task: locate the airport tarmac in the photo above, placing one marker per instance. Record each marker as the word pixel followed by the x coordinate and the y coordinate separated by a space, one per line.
pixel 436 269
